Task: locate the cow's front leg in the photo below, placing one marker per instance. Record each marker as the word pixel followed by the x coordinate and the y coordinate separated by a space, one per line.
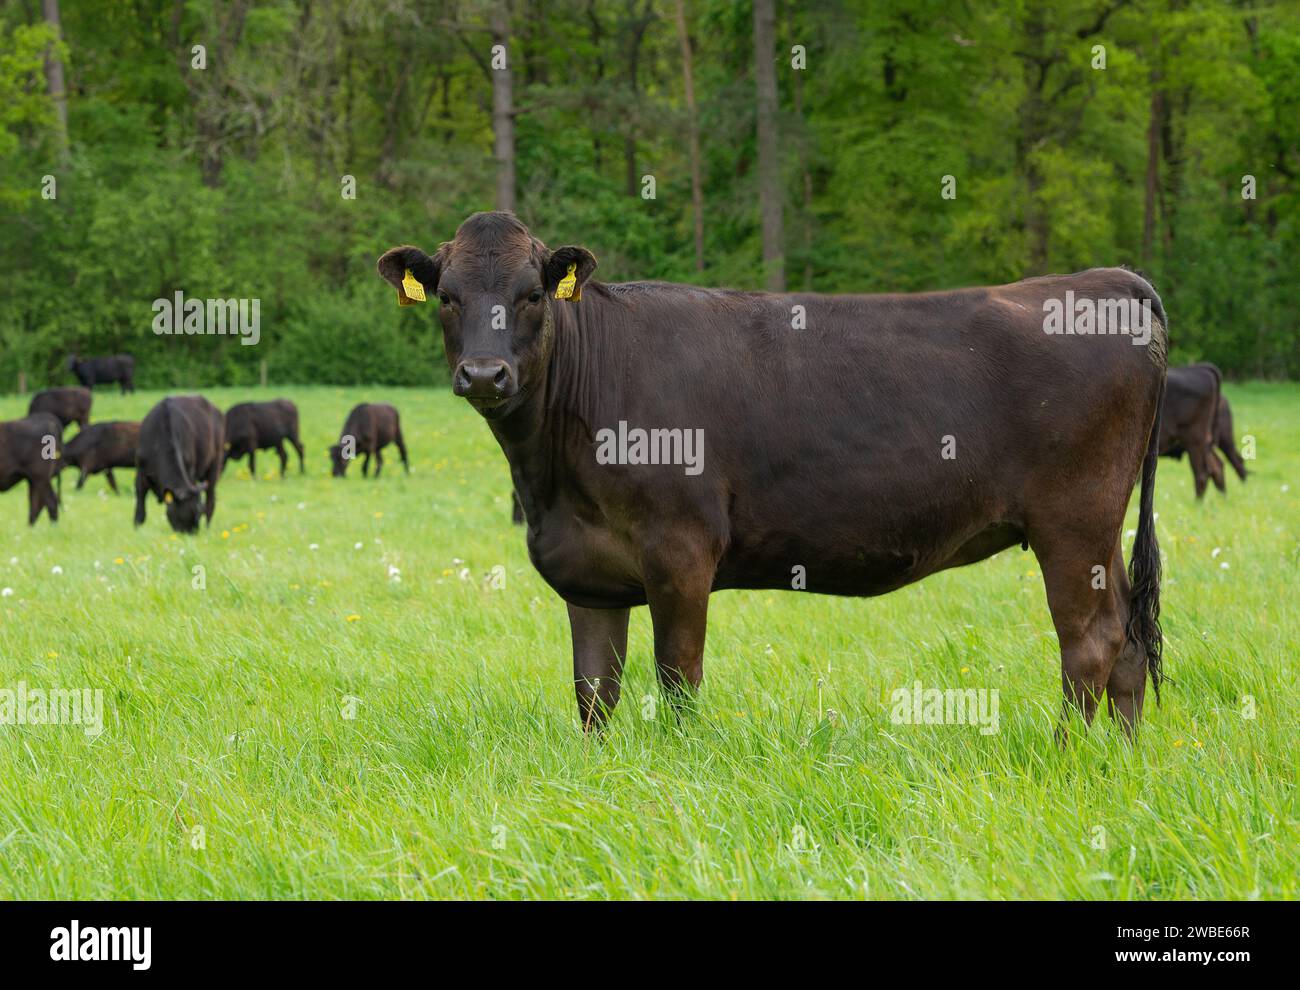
pixel 678 575
pixel 141 490
pixel 35 501
pixel 210 492
pixel 599 648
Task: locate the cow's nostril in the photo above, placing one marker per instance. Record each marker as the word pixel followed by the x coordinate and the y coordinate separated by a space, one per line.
pixel 461 381
pixel 501 379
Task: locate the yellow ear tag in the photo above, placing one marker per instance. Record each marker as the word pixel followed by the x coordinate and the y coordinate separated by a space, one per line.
pixel 412 291
pixel 567 285
pixel 167 497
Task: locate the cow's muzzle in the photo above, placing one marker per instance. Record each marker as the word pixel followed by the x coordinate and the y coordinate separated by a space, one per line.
pixel 484 379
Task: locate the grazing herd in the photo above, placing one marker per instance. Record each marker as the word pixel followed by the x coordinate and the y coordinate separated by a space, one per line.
pixel 178 451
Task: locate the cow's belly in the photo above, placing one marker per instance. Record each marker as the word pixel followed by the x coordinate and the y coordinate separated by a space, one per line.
pixel 855 554
pixel 863 567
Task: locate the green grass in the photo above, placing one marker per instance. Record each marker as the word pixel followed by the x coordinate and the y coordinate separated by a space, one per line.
pixel 464 774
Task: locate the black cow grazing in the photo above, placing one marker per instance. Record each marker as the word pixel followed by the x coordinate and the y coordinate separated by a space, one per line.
pixel 29 451
pixel 68 404
pixel 94 371
pixel 102 447
pixel 370 427
pixel 1189 422
pixel 668 441
pixel 254 426
pixel 182 441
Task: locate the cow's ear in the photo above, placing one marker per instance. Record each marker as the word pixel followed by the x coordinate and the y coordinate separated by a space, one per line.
pixel 576 263
pixel 399 265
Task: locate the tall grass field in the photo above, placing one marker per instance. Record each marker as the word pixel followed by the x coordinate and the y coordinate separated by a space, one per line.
pixel 360 688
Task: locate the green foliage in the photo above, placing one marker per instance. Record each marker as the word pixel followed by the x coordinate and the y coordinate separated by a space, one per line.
pixel 227 181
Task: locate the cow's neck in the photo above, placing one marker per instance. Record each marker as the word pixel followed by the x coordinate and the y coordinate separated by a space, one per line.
pixel 554 426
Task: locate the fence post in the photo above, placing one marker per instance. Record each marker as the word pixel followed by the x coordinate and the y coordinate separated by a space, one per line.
pixel 22 383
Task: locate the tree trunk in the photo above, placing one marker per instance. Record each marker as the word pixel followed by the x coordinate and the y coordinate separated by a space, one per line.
pixel 693 126
pixel 1154 130
pixel 805 175
pixel 54 78
pixel 503 111
pixel 637 24
pixel 769 163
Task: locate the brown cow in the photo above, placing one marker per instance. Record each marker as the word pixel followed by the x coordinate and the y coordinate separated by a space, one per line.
pixel 254 426
pixel 369 428
pixel 102 447
pixel 68 403
pixel 29 451
pixel 668 441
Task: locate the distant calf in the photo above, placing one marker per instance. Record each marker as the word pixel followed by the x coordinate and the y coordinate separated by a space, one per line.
pixel 369 428
pixel 29 451
pixel 68 404
pixel 254 426
pixel 179 458
pixel 94 371
pixel 102 447
pixel 1189 421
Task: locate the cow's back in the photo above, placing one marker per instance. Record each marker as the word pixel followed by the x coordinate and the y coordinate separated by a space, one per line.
pixel 839 428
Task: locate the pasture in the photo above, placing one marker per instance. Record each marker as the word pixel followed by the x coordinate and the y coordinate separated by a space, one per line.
pixel 354 704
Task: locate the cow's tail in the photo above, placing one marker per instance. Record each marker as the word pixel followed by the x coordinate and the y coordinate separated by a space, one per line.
pixel 1144 562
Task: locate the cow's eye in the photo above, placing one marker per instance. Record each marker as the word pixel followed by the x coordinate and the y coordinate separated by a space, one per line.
pixel 535 296
pixel 444 298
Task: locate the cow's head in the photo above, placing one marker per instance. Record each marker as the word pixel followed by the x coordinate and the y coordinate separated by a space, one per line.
pixel 338 463
pixel 184 508
pixel 494 286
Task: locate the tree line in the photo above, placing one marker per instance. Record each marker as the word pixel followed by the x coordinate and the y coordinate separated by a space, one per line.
pixel 271 150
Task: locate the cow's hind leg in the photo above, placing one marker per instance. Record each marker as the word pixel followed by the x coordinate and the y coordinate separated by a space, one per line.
pixel 1086 609
pixel 1200 467
pixel 401 450
pixel 1126 688
pixel 112 482
pixel 379 461
pixel 599 648
pixel 284 458
pixel 1216 470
